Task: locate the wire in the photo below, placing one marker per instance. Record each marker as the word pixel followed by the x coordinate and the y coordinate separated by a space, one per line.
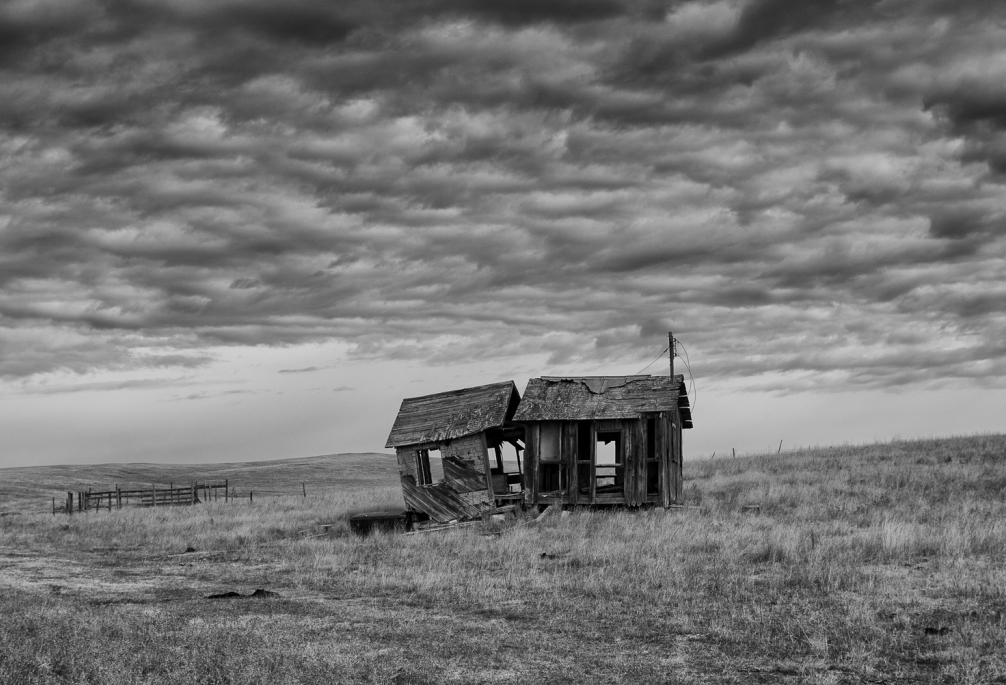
pixel 659 357
pixel 695 390
pixel 688 365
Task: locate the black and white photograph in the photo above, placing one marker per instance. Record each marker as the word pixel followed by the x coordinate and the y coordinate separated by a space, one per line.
pixel 502 342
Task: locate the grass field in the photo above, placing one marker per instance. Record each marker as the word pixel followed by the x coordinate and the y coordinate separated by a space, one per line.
pixel 877 563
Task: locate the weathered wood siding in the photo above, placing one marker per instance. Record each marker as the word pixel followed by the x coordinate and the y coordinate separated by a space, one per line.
pixel 667 450
pixel 464 492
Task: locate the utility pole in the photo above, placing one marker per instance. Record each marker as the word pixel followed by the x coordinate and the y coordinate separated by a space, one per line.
pixel 671 351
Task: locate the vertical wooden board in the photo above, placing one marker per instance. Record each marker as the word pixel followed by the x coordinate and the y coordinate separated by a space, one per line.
pixel 569 448
pixel 628 466
pixel 639 438
pixel 642 466
pixel 673 461
pixel 664 454
pixel 488 471
pixel 531 464
pixel 593 462
pixel 679 497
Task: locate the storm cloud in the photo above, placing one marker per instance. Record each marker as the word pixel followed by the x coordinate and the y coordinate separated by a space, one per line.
pixel 808 191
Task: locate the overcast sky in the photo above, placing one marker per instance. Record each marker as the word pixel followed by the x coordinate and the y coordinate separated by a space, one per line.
pixel 247 229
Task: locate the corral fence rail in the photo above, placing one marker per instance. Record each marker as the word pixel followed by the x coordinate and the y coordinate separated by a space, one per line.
pixel 154 496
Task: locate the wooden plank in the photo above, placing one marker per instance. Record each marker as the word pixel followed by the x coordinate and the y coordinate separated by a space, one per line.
pixel 636 430
pixel 638 462
pixel 679 479
pixel 461 477
pixel 531 464
pixel 569 457
pixel 438 501
pixel 609 498
pixel 486 468
pixel 593 462
pixel 663 454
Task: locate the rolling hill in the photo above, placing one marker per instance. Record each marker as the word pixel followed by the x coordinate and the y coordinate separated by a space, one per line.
pixel 31 488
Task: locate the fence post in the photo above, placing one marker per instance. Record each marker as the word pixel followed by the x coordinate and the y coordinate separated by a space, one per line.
pixel 53 506
pixel 251 497
pixel 153 495
pixel 226 490
pixel 304 487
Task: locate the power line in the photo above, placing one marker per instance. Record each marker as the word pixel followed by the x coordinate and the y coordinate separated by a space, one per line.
pixel 688 365
pixel 659 357
pixel 695 390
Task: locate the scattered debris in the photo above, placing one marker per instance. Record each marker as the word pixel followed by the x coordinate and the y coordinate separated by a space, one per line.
pixel 549 511
pixel 449 526
pixel 259 593
pixel 942 630
pixel 189 550
pixel 388 521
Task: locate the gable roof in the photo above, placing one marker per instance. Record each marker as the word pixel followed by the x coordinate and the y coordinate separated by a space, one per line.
pixel 454 414
pixel 553 398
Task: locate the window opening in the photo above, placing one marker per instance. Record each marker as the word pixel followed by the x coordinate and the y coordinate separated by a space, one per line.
pixel 609 468
pixel 552 473
pixel 553 477
pixel 548 441
pixel 429 467
pixel 511 466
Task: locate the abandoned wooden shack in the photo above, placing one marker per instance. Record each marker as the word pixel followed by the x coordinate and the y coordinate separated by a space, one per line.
pixel 444 442
pixel 604 439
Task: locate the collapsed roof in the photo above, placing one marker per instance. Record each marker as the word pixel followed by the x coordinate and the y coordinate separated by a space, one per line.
pixel 454 414
pixel 553 398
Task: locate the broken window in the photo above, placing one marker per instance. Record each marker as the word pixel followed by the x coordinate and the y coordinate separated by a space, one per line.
pixel 429 467
pixel 508 464
pixel 549 441
pixel 609 464
pixel 552 470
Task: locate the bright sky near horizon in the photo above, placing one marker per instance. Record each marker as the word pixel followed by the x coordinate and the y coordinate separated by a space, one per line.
pixel 242 229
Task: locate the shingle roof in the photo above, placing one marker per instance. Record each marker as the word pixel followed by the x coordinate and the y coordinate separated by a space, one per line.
pixel 448 415
pixel 552 398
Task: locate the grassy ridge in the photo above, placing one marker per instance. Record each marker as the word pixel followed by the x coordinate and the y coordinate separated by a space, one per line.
pixel 875 563
pixel 32 488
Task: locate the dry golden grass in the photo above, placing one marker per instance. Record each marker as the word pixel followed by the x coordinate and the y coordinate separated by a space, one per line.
pixel 876 563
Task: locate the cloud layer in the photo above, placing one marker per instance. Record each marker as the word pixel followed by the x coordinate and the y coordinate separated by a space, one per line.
pixel 811 194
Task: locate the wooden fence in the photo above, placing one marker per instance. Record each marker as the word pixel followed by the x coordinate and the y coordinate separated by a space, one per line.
pixel 154 496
